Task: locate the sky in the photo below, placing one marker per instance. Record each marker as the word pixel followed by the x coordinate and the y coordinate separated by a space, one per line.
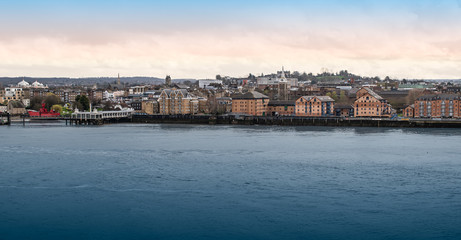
pixel 202 38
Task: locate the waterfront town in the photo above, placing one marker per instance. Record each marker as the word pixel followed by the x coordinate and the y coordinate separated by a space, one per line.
pixel 283 93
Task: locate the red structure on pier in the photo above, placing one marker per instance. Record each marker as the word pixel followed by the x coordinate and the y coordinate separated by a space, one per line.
pixel 43 112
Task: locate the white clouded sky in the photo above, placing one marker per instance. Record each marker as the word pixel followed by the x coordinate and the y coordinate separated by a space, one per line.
pixel 403 40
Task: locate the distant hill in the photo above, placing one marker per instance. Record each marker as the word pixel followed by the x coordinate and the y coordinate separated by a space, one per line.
pixel 88 81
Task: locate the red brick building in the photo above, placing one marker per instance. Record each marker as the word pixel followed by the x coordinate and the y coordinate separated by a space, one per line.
pixel 370 104
pixel 438 106
pixel 250 103
pixel 281 108
pixel 409 111
pixel 315 106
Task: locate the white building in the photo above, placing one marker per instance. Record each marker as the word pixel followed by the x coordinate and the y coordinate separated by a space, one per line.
pixel 137 90
pixel 23 84
pixel 203 83
pixel 274 80
pixel 36 84
pixel 113 95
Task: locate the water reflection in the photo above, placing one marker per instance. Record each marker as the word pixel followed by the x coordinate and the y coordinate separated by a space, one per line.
pixel 253 128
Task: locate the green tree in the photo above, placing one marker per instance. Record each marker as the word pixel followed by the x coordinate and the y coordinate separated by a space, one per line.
pixel 342 97
pixel 333 95
pixel 36 103
pixel 51 100
pixel 303 77
pixel 83 102
pixel 77 105
pixel 57 108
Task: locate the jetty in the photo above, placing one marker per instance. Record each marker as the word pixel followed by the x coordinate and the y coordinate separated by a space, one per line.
pixel 99 118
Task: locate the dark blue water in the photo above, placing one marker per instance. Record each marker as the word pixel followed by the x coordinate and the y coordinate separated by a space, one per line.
pixel 228 182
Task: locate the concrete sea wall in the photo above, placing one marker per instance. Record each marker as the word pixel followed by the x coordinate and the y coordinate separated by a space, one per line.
pixel 297 121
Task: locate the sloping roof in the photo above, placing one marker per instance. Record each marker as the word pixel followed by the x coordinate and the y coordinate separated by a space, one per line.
pixel 406 105
pixel 432 97
pixel 181 86
pixel 325 98
pixel 15 104
pixel 282 103
pixel 223 98
pixel 372 93
pixel 321 98
pixel 394 92
pixel 352 92
pixel 249 95
pixel 184 92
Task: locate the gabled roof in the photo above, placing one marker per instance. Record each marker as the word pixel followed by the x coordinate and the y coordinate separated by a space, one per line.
pixel 170 92
pixel 372 93
pixel 249 95
pixel 321 98
pixel 15 104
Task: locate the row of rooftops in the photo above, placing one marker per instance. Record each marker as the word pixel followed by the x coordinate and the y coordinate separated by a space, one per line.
pixel 433 97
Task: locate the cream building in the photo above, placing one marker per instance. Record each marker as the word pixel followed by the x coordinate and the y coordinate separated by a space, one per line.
pixel 177 101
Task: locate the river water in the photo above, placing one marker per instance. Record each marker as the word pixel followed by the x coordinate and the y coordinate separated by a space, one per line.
pixel 228 182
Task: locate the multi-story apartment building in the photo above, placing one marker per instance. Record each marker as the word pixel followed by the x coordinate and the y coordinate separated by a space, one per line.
pixel 35 92
pixel 203 106
pixel 13 94
pixel 370 104
pixel 282 108
pixel 96 94
pixel 344 110
pixel 224 104
pixel 438 106
pixel 149 107
pixel 177 101
pixel 315 106
pixel 409 111
pixel 251 103
pixel 69 96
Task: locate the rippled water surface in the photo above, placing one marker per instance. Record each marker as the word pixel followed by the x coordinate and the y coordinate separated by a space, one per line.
pixel 228 182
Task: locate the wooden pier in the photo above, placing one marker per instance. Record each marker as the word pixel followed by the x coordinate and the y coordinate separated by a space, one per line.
pixel 79 118
pixel 99 118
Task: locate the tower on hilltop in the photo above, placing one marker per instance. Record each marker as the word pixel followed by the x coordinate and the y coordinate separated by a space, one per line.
pixel 168 80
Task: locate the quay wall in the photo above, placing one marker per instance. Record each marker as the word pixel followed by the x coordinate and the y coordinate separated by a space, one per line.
pixel 297 121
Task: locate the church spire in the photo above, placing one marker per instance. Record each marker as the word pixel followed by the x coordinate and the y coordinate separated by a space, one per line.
pixel 282 76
